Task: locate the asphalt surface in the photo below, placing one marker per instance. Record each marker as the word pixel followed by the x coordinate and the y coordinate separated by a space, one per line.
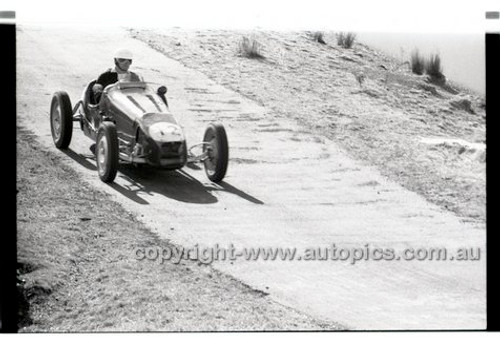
pixel 285 187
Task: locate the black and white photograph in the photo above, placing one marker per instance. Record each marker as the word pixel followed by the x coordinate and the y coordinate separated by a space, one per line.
pixel 251 167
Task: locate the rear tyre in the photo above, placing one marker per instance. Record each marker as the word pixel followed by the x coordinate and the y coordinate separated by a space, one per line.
pixel 217 149
pixel 107 152
pixel 61 120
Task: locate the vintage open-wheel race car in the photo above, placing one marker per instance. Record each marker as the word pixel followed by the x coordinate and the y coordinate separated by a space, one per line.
pixel 131 123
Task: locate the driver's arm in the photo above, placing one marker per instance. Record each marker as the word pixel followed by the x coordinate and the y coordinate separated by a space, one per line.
pixel 107 78
pixel 135 77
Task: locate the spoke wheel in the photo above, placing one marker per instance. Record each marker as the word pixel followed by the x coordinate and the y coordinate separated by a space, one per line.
pixel 216 147
pixel 107 152
pixel 61 120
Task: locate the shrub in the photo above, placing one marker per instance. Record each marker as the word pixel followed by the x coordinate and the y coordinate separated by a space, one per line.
pixel 433 67
pixel 250 48
pixel 346 40
pixel 318 37
pixel 417 63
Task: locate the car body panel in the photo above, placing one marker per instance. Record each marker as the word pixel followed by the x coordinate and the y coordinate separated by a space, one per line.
pixel 147 131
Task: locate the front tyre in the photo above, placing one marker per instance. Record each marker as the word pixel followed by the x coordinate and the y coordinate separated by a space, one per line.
pixel 216 146
pixel 61 120
pixel 107 152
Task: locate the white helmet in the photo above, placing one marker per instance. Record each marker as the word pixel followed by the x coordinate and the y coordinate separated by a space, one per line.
pixel 124 53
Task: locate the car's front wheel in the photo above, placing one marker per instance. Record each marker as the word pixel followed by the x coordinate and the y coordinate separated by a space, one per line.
pixel 217 149
pixel 61 120
pixel 107 152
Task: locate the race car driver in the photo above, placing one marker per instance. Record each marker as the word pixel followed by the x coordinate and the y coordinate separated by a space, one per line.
pixel 120 72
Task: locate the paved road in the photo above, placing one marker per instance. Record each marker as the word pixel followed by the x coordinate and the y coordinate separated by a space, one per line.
pixel 284 188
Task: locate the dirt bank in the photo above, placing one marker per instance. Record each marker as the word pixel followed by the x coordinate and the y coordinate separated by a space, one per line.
pixel 367 102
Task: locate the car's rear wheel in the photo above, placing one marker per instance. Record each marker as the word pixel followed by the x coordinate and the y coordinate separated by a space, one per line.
pixel 216 146
pixel 61 120
pixel 107 152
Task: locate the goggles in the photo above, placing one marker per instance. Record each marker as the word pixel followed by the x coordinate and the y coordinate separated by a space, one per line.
pixel 122 60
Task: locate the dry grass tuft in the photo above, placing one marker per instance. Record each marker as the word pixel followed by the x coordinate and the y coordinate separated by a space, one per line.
pixel 346 40
pixel 417 63
pixel 319 37
pixel 433 67
pixel 250 48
